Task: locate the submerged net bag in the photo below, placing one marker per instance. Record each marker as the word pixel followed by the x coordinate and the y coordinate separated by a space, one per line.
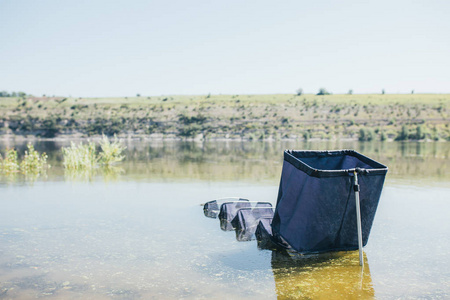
pixel 316 209
pixel 211 209
pixel 228 212
pixel 247 220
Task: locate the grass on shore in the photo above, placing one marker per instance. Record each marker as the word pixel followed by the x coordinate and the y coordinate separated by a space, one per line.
pixel 364 117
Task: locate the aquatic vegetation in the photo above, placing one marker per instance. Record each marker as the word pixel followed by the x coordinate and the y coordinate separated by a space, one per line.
pixel 32 165
pixel 111 151
pixel 86 156
pixel 82 156
pixel 9 164
pixel 83 162
pixel 33 162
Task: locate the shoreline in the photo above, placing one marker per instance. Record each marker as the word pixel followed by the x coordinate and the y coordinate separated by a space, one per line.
pixel 230 117
pixel 163 138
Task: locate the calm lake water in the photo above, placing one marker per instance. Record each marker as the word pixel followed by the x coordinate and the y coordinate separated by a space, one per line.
pixel 138 231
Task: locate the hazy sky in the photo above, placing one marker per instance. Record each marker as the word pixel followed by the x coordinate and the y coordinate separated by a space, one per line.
pixel 121 48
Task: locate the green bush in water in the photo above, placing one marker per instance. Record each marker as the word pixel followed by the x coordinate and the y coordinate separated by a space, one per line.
pixel 10 163
pixel 111 151
pixel 33 162
pixel 85 156
pixel 82 156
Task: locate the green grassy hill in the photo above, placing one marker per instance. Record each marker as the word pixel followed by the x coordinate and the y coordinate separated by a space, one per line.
pixel 365 117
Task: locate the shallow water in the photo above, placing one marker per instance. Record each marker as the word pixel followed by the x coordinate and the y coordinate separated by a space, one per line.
pixel 140 232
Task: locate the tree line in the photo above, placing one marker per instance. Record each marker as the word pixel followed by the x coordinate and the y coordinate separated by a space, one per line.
pixel 12 94
pixel 324 91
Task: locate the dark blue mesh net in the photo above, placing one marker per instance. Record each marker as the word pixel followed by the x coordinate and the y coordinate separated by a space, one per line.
pixel 315 209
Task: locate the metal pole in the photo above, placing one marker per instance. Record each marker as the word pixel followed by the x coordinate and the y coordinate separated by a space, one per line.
pixel 358 220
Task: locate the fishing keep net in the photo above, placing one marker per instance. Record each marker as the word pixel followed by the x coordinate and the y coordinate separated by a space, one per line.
pixel 315 210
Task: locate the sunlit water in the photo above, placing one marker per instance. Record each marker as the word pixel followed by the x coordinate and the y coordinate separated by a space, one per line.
pixel 140 232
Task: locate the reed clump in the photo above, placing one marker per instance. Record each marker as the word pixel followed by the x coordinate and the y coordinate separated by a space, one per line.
pixel 111 151
pixel 9 164
pixel 80 157
pixel 33 162
pixel 86 157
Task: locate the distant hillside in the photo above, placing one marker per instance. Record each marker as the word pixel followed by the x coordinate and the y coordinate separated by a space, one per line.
pixel 364 117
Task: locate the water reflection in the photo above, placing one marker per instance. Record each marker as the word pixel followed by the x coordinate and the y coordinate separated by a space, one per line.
pixel 143 238
pixel 326 276
pixel 107 173
pixel 18 177
pixel 333 275
pixel 250 161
